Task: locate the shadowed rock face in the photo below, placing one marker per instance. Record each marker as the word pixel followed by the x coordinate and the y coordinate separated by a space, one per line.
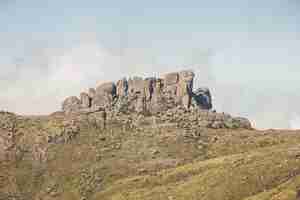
pixel 202 98
pixel 149 95
pixel 85 100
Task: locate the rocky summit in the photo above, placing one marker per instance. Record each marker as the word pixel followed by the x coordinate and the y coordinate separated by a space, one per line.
pixel 149 95
pixel 168 99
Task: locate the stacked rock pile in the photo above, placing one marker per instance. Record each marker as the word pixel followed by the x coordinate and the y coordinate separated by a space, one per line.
pixel 171 99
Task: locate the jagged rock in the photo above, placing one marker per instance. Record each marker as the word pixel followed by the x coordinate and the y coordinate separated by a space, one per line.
pixel 141 103
pixel 105 94
pixel 136 85
pixel 202 98
pixel 71 104
pixel 171 90
pixel 157 103
pixel 186 101
pixel 158 86
pixel 85 100
pixel 149 87
pixel 92 93
pixel 171 100
pixel 185 85
pixel 171 78
pixel 122 87
pixel 107 88
pixel 102 101
pixel 185 88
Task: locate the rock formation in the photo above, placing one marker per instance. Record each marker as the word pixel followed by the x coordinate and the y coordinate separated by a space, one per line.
pixel 149 95
pixel 171 99
pixel 85 100
pixel 202 98
pixel 71 104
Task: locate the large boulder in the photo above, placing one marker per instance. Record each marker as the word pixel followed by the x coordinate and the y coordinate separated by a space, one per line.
pixel 71 105
pixel 237 122
pixel 107 88
pixel 85 100
pixel 141 93
pixel 243 122
pixel 105 95
pixel 171 78
pixel 102 101
pixel 136 85
pixel 92 93
pixel 202 98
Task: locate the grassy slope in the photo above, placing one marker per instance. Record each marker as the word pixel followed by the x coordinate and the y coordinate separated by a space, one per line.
pixel 164 163
pixel 258 164
pixel 230 177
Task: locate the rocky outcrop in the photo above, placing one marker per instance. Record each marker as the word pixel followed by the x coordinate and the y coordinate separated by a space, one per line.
pixel 194 118
pixel 202 98
pixel 155 97
pixel 92 93
pixel 149 95
pixel 85 100
pixel 71 104
pixel 30 137
pixel 122 87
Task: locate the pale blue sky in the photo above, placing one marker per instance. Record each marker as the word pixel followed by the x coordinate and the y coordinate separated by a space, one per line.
pixel 244 36
pixel 253 44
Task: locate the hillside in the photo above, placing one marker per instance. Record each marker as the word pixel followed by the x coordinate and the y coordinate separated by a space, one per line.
pixel 133 143
pixel 88 161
